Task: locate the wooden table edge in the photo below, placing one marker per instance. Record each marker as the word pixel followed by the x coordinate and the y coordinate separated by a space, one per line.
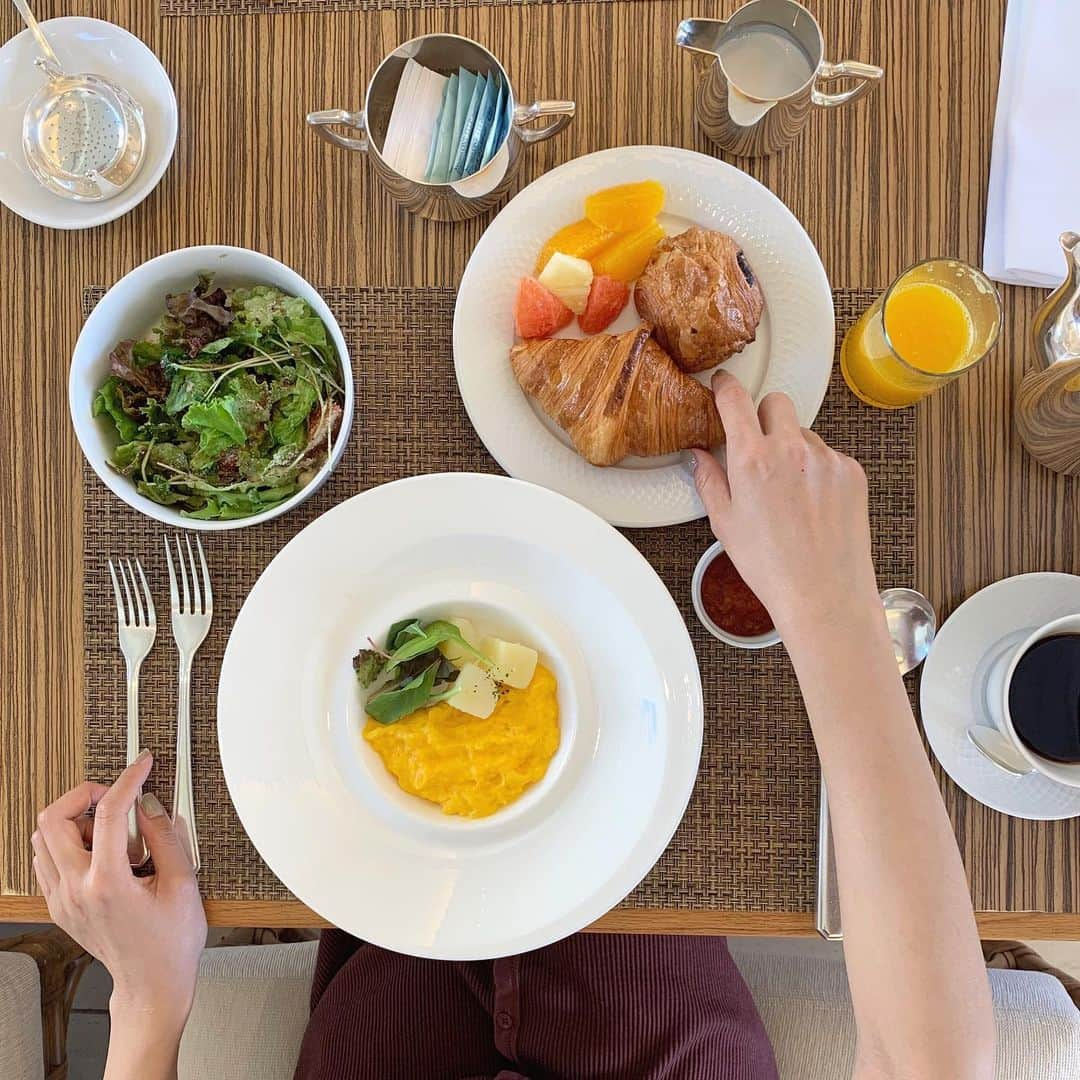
pixel 1031 925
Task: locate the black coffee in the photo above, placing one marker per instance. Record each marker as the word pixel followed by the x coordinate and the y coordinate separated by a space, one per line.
pixel 1044 698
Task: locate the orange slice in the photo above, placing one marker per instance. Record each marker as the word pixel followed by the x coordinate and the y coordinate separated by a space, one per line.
pixel 581 239
pixel 625 257
pixel 626 207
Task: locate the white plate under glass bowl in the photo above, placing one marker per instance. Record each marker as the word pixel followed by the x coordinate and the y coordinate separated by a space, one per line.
pixel 517 560
pixel 954 685
pixel 98 47
pixel 793 350
pixel 131 308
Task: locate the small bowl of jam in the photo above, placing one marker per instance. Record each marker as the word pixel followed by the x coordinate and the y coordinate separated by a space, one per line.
pixel 726 606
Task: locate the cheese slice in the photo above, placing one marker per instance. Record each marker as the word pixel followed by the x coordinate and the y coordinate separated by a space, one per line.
pixel 476 692
pixel 512 664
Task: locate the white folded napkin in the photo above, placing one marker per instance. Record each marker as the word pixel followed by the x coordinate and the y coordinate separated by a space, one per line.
pixel 1035 167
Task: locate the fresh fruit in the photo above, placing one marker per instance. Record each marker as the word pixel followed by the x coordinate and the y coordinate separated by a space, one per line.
pixel 625 257
pixel 457 654
pixel 510 663
pixel 475 692
pixel 569 278
pixel 625 207
pixel 607 298
pixel 582 239
pixel 538 312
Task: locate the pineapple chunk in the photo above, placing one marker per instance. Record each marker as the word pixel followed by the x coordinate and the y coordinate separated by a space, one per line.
pixel 569 278
pixel 477 692
pixel 511 664
pixel 452 650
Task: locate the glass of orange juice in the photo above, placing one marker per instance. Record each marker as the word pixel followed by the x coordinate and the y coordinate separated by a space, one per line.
pixel 936 321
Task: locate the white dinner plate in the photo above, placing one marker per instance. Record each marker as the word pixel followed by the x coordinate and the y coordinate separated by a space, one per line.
pixel 793 350
pixel 98 47
pixel 519 561
pixel 954 682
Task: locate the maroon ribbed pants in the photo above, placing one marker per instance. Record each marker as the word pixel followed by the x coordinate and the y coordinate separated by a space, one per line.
pixel 595 1005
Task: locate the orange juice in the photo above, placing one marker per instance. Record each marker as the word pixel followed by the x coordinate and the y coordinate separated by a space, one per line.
pixel 936 321
pixel 929 327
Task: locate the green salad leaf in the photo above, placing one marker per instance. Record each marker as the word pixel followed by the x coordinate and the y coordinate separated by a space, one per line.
pixel 289 417
pixel 229 406
pixel 368 665
pixel 391 705
pixel 107 402
pixel 410 673
pixel 212 348
pixel 427 640
pixel 186 388
pixel 401 631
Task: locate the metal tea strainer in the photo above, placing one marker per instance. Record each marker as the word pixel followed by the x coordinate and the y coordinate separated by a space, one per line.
pixel 83 135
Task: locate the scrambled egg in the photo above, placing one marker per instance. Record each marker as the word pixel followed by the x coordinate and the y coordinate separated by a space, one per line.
pixel 473 767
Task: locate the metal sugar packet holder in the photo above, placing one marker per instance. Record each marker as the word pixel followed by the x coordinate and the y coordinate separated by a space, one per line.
pixel 457 200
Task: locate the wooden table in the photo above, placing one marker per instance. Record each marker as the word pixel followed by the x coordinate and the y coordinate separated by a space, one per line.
pixel 879 185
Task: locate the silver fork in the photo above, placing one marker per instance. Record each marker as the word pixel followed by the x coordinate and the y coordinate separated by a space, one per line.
pixel 192 610
pixel 138 628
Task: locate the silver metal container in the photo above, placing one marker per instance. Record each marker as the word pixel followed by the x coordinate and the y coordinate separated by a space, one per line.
pixel 729 111
pixel 459 199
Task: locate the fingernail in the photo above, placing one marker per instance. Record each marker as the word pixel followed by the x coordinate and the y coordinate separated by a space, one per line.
pixel 151 807
pixel 142 757
pixel 691 460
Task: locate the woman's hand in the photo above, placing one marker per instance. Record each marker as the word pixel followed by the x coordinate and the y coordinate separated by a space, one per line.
pixel 791 512
pixel 148 932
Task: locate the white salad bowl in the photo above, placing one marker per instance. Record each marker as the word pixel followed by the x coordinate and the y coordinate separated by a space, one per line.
pixel 130 308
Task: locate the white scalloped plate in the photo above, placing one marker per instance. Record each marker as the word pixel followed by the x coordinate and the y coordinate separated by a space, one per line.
pixel 793 351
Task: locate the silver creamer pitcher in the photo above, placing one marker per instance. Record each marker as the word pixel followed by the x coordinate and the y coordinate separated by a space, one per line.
pixel 759 75
pixel 460 199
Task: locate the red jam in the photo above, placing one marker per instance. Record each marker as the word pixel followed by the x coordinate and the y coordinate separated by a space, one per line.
pixel 728 601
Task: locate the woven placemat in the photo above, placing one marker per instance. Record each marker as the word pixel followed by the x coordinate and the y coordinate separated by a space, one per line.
pixel 748 841
pixel 271 7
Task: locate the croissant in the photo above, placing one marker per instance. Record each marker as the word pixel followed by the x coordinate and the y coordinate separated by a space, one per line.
pixel 617 395
pixel 700 293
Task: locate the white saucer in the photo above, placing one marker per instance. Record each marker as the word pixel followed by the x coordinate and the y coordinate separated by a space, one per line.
pixel 995 619
pixel 94 46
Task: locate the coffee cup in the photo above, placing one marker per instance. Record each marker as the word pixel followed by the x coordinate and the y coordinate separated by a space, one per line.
pixel 1008 748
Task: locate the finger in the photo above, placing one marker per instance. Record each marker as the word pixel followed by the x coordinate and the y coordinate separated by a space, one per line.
pixel 169 854
pixel 58 825
pixel 111 817
pixel 85 826
pixel 814 439
pixel 44 867
pixel 45 883
pixel 736 409
pixel 710 479
pixel 777 415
